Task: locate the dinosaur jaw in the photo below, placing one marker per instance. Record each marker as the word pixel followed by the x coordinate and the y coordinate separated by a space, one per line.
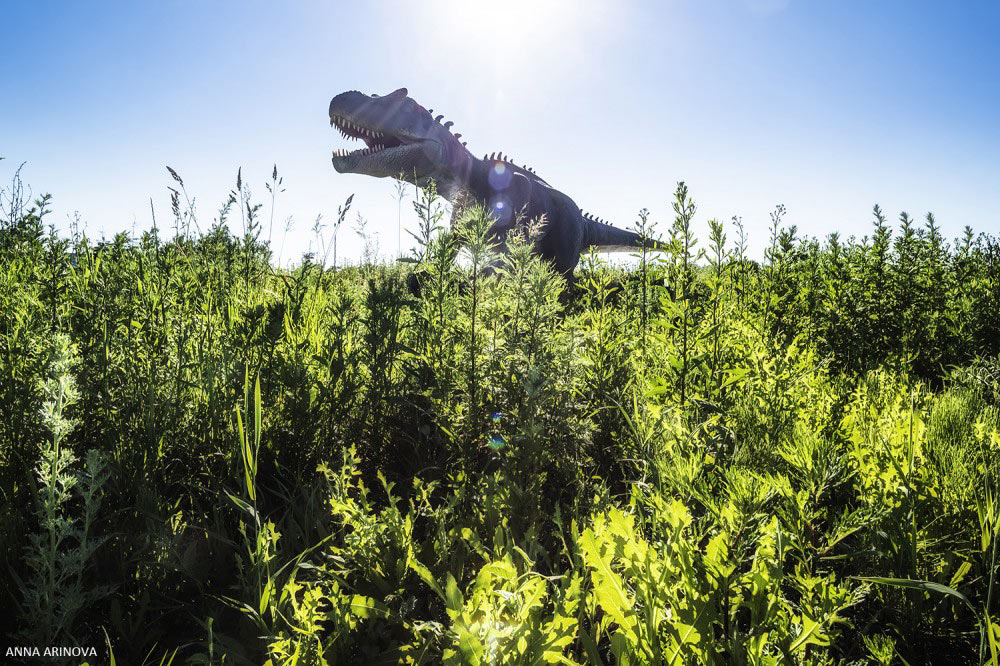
pixel 385 153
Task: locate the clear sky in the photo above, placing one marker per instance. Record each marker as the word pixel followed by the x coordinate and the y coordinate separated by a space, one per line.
pixel 825 107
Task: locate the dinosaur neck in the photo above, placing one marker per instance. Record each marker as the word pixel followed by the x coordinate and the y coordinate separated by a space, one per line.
pixel 463 176
pixel 480 181
pixel 466 179
pixel 477 185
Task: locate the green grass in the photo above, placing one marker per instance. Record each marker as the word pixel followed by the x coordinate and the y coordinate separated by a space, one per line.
pixel 705 459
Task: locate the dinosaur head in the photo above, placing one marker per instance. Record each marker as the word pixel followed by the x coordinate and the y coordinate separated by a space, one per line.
pixel 402 138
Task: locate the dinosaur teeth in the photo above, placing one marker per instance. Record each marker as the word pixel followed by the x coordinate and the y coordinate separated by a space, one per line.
pixel 348 129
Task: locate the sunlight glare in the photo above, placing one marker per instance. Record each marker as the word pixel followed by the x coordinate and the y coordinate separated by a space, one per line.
pixel 506 36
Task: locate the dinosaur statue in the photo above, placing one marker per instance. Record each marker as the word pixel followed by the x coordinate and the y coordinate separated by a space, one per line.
pixel 405 140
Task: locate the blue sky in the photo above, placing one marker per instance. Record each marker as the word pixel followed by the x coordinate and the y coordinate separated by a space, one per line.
pixel 827 108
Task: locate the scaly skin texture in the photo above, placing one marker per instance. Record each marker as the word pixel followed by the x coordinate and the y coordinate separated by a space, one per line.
pixel 405 141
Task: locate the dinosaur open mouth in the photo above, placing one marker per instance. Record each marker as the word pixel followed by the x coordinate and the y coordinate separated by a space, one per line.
pixel 375 140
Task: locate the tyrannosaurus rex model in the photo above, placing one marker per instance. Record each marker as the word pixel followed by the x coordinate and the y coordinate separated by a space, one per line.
pixel 405 141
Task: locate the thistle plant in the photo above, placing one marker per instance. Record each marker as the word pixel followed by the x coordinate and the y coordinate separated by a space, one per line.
pixel 400 188
pixel 474 233
pixel 719 265
pixel 645 228
pixel 681 306
pixel 434 253
pixel 430 211
pixel 58 555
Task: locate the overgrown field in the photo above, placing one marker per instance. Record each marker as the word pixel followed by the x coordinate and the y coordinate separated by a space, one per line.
pixel 702 460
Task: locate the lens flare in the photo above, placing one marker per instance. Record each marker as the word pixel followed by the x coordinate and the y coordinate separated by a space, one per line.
pixel 499 176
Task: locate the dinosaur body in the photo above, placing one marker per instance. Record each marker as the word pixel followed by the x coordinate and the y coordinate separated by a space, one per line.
pixel 404 140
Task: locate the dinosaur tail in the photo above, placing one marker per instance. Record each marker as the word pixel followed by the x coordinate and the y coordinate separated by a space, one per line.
pixel 612 239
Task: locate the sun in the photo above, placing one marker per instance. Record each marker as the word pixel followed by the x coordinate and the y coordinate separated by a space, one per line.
pixel 505 36
pixel 513 21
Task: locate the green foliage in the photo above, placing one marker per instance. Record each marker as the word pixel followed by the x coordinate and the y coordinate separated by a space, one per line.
pixel 59 555
pixel 464 459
